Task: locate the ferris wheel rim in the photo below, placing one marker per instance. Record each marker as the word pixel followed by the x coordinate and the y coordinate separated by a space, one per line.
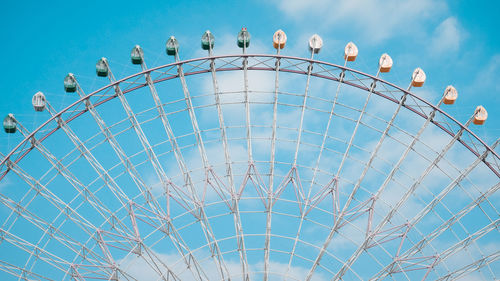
pixel 30 135
pixel 180 63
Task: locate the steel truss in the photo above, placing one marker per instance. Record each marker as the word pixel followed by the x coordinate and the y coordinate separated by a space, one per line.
pixel 141 227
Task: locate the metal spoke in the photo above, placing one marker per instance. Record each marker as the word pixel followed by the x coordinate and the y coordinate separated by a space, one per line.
pixel 229 172
pixel 270 192
pixel 356 187
pixel 476 266
pixel 166 182
pixel 224 272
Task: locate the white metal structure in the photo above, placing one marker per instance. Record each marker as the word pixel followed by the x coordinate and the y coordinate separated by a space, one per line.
pixel 323 173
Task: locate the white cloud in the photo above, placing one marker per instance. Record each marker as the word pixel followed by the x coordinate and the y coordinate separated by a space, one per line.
pixel 377 19
pixel 140 268
pixel 447 37
pixel 486 79
pixel 4 183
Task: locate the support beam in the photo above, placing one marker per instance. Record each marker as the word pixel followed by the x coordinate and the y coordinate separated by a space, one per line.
pixel 270 188
pixel 436 200
pixel 89 229
pixel 124 159
pixel 211 239
pixel 165 180
pixel 476 266
pixel 229 173
pixel 338 220
pixel 405 197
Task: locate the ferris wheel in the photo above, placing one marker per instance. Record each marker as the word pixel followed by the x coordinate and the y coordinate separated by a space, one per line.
pixel 249 167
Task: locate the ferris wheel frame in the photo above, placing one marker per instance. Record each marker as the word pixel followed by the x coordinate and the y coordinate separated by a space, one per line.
pixel 262 62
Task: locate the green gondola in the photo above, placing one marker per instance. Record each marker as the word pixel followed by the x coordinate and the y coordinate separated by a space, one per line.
pixel 172 46
pixel 137 55
pixel 207 40
pixel 9 124
pixel 70 83
pixel 243 38
pixel 101 67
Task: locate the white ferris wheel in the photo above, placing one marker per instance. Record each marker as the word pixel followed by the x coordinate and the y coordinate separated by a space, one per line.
pixel 249 167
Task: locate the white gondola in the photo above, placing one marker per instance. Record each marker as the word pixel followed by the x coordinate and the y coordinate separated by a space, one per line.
pixel 315 43
pixel 450 95
pixel 350 52
pixel 279 39
pixel 385 63
pixel 39 102
pixel 480 115
pixel 418 77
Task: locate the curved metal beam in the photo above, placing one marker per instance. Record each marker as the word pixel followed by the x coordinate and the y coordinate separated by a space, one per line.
pixel 312 61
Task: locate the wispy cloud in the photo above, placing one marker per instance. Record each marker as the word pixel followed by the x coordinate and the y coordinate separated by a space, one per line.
pixel 447 37
pixel 138 267
pixel 378 19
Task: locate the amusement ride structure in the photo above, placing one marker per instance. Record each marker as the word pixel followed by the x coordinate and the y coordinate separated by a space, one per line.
pixel 249 167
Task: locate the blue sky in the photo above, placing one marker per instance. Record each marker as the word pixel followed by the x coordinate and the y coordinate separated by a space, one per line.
pixel 454 42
